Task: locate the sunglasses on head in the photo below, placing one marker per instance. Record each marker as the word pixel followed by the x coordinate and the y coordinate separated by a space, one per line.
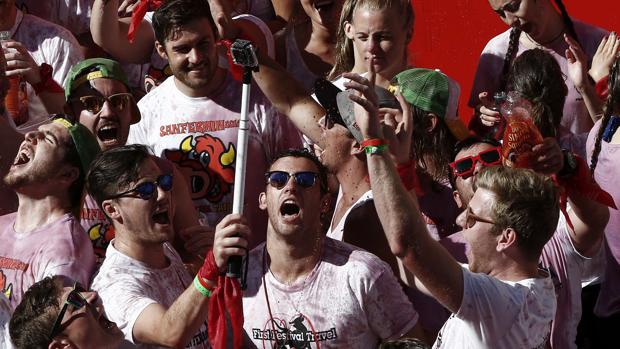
pixel 94 104
pixel 145 190
pixel 74 299
pixel 465 166
pixel 278 179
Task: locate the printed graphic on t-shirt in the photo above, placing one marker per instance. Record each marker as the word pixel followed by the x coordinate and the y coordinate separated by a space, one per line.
pixel 10 264
pixel 4 288
pixel 154 77
pixel 208 166
pixel 295 333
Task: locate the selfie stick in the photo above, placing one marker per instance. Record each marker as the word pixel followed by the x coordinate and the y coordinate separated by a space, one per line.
pixel 243 55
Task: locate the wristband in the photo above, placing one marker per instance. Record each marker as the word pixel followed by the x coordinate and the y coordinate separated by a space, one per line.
pixel 209 270
pixel 375 149
pixel 200 288
pixel 373 142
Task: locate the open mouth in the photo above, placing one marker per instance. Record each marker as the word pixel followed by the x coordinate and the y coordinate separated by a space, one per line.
pixel 108 133
pixel 289 208
pixel 106 324
pixel 23 157
pixel 161 217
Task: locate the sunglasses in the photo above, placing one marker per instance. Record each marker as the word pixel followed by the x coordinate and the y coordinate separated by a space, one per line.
pixel 465 166
pixel 118 101
pixel 471 219
pixel 278 179
pixel 145 190
pixel 74 299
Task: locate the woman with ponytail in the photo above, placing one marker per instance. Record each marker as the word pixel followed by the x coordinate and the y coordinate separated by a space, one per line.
pixel 603 149
pixel 541 24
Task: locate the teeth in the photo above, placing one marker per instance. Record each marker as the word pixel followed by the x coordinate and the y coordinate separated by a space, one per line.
pixel 290 201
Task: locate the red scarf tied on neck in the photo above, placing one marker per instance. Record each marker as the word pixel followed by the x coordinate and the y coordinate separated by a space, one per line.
pixel 138 14
pixel 227 296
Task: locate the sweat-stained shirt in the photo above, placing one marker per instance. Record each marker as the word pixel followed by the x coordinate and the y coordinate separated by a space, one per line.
pixel 58 248
pixel 199 135
pixel 351 299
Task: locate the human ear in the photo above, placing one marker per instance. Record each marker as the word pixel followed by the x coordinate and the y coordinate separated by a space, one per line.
pixel 506 239
pixel 262 201
pixel 433 119
pixel 457 199
pixel 61 342
pixel 161 50
pixel 110 209
pixel 349 31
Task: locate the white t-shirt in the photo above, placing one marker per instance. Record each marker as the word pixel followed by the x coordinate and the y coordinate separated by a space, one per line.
pixel 350 300
pixel 500 314
pixel 5 317
pixel 127 286
pixel 71 14
pixel 199 135
pixel 338 231
pixel 47 43
pixel 568 267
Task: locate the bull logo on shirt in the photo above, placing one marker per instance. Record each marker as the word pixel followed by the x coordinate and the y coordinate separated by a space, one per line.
pixel 154 77
pixel 7 290
pixel 207 164
pixel 100 236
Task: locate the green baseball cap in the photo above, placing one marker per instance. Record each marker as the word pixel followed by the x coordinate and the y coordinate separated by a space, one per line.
pixel 84 141
pixel 96 68
pixel 434 92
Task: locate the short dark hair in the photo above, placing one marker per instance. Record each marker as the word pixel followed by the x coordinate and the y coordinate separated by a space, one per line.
pixel 175 14
pixel 404 343
pixel 434 147
pixel 305 153
pixel 525 201
pixel 76 189
pixel 115 169
pixel 31 324
pixel 466 144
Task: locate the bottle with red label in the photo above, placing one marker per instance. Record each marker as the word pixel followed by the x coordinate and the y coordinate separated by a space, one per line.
pixel 520 135
pixel 16 100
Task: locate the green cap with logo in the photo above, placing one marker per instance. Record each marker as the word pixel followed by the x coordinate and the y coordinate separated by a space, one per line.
pixel 84 141
pixel 96 68
pixel 434 92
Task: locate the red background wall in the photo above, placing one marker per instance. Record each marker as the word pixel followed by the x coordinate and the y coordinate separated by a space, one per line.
pixel 450 35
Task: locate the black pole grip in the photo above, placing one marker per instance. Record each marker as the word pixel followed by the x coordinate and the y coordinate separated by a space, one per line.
pixel 233 267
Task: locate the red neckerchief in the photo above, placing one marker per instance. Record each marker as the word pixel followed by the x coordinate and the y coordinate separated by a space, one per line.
pixel 583 184
pixel 226 296
pixel 138 15
pixel 602 87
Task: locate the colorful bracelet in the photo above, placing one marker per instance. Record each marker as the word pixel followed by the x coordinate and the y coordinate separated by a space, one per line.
pixel 375 149
pixel 203 290
pixel 373 142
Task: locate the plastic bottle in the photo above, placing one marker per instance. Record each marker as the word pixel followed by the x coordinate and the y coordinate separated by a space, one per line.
pixel 16 100
pixel 497 131
pixel 521 135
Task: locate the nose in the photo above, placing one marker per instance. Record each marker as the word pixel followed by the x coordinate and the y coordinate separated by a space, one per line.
pixel 374 45
pixel 291 185
pixel 107 109
pixel 478 167
pixel 322 122
pixel 460 220
pixel 195 56
pixel 34 136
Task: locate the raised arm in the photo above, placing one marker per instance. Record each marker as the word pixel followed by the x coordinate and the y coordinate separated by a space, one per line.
pixel 400 214
pixel 577 70
pixel 110 32
pixel 175 326
pixel 289 98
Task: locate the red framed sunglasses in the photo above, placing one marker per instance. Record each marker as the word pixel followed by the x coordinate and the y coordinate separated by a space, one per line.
pixel 465 167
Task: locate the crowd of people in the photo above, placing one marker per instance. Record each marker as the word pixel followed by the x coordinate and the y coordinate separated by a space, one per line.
pixel 372 215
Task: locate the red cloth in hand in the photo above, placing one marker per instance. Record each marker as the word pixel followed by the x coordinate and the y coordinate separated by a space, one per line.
pixel 226 296
pixel 409 177
pixel 138 15
pixel 601 87
pixel 582 183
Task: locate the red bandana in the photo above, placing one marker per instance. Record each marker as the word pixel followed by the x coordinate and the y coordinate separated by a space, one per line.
pixel 138 15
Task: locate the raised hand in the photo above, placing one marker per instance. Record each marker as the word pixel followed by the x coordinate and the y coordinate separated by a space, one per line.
pixel 398 127
pixel 365 108
pixel 488 116
pixel 20 62
pixel 604 57
pixel 231 239
pixel 577 64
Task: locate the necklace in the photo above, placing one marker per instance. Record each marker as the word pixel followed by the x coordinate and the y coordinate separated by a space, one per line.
pixel 548 42
pixel 285 341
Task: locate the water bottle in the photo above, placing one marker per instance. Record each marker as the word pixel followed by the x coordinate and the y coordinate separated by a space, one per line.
pixel 497 130
pixel 521 135
pixel 16 99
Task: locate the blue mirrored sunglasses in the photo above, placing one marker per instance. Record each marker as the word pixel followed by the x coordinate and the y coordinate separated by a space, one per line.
pixel 278 179
pixel 145 190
